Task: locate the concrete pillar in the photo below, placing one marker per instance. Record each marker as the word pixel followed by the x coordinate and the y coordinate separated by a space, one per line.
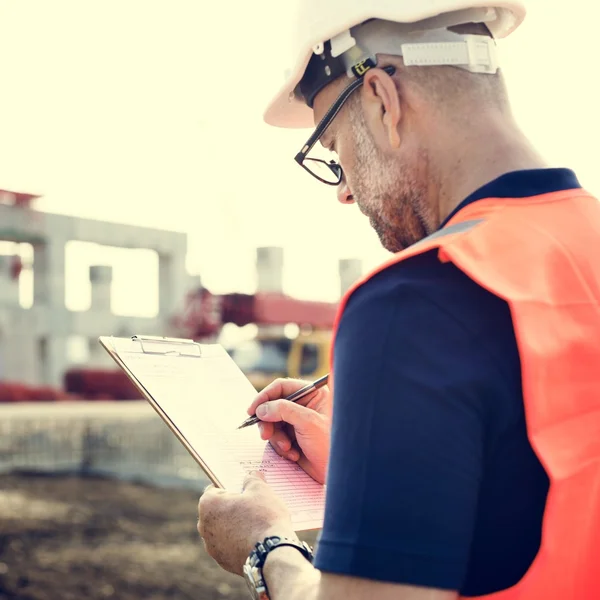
pixel 173 281
pixel 269 269
pixel 18 346
pixel 52 352
pixel 194 282
pixel 6 364
pixel 18 358
pixel 101 281
pixel 49 290
pixel 350 271
pixel 9 286
pixel 49 273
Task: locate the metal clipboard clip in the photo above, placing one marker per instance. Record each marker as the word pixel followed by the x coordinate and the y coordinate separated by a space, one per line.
pixel 167 346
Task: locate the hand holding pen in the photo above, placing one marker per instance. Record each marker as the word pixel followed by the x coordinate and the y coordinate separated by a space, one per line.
pixel 294 397
pixel 296 419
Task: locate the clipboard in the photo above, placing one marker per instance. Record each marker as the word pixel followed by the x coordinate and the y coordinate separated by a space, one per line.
pixel 163 346
pixel 201 394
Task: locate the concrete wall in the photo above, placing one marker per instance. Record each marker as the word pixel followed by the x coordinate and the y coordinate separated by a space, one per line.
pixel 126 440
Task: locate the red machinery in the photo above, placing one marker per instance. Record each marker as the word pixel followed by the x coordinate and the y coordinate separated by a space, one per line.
pixel 17 198
pixel 20 392
pixel 203 317
pixel 206 313
pixel 100 384
pixel 79 384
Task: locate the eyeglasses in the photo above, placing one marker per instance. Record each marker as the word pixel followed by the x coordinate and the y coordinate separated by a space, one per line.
pixel 328 172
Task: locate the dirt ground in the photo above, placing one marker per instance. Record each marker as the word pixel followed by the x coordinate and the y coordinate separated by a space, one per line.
pixel 67 538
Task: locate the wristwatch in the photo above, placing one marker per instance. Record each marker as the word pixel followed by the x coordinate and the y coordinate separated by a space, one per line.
pixel 256 560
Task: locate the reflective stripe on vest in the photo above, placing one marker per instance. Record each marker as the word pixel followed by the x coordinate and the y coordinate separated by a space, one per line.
pixel 456 228
pixel 542 255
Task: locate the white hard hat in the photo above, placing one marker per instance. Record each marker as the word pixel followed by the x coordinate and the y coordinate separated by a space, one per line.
pixel 348 33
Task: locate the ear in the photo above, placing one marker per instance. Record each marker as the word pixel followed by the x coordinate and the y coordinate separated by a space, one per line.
pixel 382 107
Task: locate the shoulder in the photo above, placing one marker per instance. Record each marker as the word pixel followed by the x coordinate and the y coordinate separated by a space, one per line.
pixel 403 289
pixel 431 316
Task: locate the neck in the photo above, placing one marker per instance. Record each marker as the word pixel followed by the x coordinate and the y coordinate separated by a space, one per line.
pixel 477 158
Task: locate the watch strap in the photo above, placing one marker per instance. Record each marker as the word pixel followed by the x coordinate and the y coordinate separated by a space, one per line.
pixel 253 569
pixel 262 549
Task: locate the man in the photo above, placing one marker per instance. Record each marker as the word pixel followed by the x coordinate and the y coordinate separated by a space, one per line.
pixel 465 368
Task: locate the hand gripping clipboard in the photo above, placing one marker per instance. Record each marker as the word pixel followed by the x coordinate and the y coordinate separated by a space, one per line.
pixel 162 346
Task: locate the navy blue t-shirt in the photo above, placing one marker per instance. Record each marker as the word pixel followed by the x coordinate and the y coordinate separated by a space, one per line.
pixel 432 480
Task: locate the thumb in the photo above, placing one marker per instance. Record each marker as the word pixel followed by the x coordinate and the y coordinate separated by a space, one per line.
pixel 289 412
pixel 253 478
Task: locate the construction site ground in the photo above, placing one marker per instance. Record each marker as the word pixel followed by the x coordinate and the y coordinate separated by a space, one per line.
pixel 70 538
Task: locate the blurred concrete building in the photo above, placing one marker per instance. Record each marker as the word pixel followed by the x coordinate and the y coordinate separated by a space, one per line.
pixel 33 342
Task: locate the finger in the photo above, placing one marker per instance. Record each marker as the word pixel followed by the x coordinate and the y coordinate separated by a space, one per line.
pixel 266 430
pixel 281 436
pixel 294 454
pixel 280 440
pixel 289 430
pixel 253 479
pixel 282 444
pixel 280 388
pixel 276 411
pixel 291 454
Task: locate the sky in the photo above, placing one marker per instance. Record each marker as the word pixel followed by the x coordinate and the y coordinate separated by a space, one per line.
pixel 150 112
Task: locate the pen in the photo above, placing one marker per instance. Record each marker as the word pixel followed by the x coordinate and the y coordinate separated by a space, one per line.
pixel 297 395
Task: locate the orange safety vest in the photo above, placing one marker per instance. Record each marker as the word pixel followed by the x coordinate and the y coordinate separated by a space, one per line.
pixel 542 255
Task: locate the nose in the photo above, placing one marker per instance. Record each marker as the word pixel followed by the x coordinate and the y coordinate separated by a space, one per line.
pixel 344 194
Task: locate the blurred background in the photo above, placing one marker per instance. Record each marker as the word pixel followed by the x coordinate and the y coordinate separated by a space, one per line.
pixel 141 194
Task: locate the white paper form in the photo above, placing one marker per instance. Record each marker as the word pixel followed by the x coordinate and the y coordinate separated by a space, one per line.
pixel 205 397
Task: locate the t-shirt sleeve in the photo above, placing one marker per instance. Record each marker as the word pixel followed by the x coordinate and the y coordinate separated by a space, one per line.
pixel 407 441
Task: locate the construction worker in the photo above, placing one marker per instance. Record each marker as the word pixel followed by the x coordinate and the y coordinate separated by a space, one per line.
pixel 463 454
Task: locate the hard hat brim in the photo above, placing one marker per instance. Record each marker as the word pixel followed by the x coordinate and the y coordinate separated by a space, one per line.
pixel 286 110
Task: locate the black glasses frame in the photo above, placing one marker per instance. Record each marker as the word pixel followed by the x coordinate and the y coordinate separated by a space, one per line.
pixel 320 129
